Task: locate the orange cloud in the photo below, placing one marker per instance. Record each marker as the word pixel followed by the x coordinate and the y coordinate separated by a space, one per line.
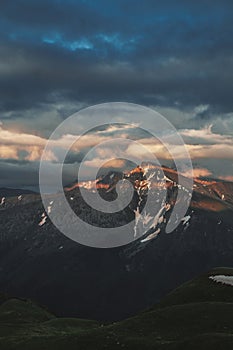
pixel 199 172
pixel 227 178
pixel 200 144
pixel 7 152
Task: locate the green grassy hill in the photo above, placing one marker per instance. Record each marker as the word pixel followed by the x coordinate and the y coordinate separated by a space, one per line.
pixel 197 315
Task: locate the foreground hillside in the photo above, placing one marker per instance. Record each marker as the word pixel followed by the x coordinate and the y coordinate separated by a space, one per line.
pixel 197 315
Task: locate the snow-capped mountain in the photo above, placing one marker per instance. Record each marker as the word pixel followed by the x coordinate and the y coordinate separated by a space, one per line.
pixel 38 262
pixel 209 195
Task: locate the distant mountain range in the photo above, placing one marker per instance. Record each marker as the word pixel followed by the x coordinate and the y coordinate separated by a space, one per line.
pixel 38 262
pixel 13 192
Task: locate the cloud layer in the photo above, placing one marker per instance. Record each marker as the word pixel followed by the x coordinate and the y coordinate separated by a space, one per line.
pixel 160 53
pixel 24 148
pixel 59 56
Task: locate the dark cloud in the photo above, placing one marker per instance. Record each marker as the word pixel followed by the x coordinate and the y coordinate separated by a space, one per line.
pixel 58 56
pixel 83 51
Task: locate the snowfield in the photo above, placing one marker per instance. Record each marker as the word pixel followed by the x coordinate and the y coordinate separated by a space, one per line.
pixel 222 279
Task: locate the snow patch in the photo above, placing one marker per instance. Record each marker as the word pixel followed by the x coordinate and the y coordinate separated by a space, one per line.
pixel 49 209
pixel 146 219
pixel 43 221
pixel 151 236
pixel 156 219
pixel 186 219
pixel 222 279
pixel 167 178
pixel 137 218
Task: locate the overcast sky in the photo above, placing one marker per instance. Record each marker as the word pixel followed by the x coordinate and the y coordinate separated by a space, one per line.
pixel 57 57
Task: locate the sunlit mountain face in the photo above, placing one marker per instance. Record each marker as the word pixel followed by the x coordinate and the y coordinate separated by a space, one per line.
pixel 60 273
pixel 209 194
pixel 163 185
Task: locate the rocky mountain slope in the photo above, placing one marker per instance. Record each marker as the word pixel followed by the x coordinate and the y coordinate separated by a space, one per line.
pixel 38 262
